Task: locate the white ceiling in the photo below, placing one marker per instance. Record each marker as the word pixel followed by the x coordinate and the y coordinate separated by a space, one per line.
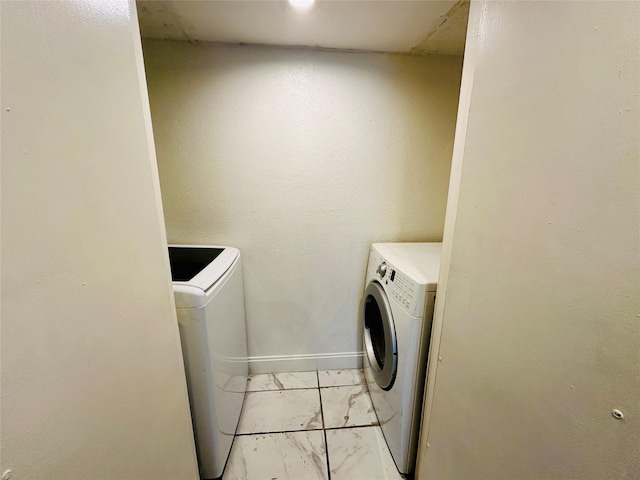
pixel 414 26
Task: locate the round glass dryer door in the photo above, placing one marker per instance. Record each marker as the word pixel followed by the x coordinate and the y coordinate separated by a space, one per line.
pixel 381 348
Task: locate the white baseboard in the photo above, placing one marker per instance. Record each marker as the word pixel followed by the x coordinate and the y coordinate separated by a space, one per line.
pixel 302 363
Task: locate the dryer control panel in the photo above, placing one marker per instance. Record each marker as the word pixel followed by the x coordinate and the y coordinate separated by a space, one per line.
pixel 403 290
pixel 397 284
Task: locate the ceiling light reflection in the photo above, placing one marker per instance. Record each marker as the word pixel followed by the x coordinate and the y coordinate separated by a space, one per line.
pixel 301 4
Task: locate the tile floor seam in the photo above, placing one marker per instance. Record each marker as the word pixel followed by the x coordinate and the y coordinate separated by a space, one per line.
pixel 279 431
pixel 320 398
pixel 283 389
pixel 324 433
pixel 353 426
pixel 326 452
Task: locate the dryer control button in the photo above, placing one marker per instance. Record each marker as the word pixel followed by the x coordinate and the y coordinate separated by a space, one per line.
pixel 382 269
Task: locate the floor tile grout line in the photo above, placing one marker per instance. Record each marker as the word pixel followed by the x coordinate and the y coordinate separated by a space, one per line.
pixel 324 433
pixel 308 430
pixel 305 388
pixel 353 426
pixel 282 389
pixel 278 431
pixel 326 454
pixel 321 409
pixel 347 386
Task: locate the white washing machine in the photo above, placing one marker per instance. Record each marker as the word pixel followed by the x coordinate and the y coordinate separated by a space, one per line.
pixel 209 294
pixel 397 310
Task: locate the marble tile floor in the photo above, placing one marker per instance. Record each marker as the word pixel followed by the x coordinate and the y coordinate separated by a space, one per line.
pixel 316 425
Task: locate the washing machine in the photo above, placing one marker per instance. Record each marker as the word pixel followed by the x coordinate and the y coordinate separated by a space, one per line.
pixel 397 310
pixel 209 296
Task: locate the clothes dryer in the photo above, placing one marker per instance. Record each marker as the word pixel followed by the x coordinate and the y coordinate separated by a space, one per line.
pixel 397 310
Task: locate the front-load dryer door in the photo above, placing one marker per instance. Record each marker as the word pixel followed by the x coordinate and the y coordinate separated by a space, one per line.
pixel 380 345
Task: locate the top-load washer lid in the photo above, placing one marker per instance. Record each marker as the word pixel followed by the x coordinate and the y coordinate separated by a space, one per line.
pixel 186 263
pixel 199 266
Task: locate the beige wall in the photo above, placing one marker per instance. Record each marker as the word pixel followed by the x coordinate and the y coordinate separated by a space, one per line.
pixel 301 159
pixel 539 312
pixel 92 381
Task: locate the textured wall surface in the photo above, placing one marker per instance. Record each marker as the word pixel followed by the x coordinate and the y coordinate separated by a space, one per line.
pixel 301 159
pixel 92 380
pixel 541 313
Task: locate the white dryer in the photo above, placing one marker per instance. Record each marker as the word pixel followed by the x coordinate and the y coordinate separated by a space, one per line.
pixel 209 294
pixel 397 311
